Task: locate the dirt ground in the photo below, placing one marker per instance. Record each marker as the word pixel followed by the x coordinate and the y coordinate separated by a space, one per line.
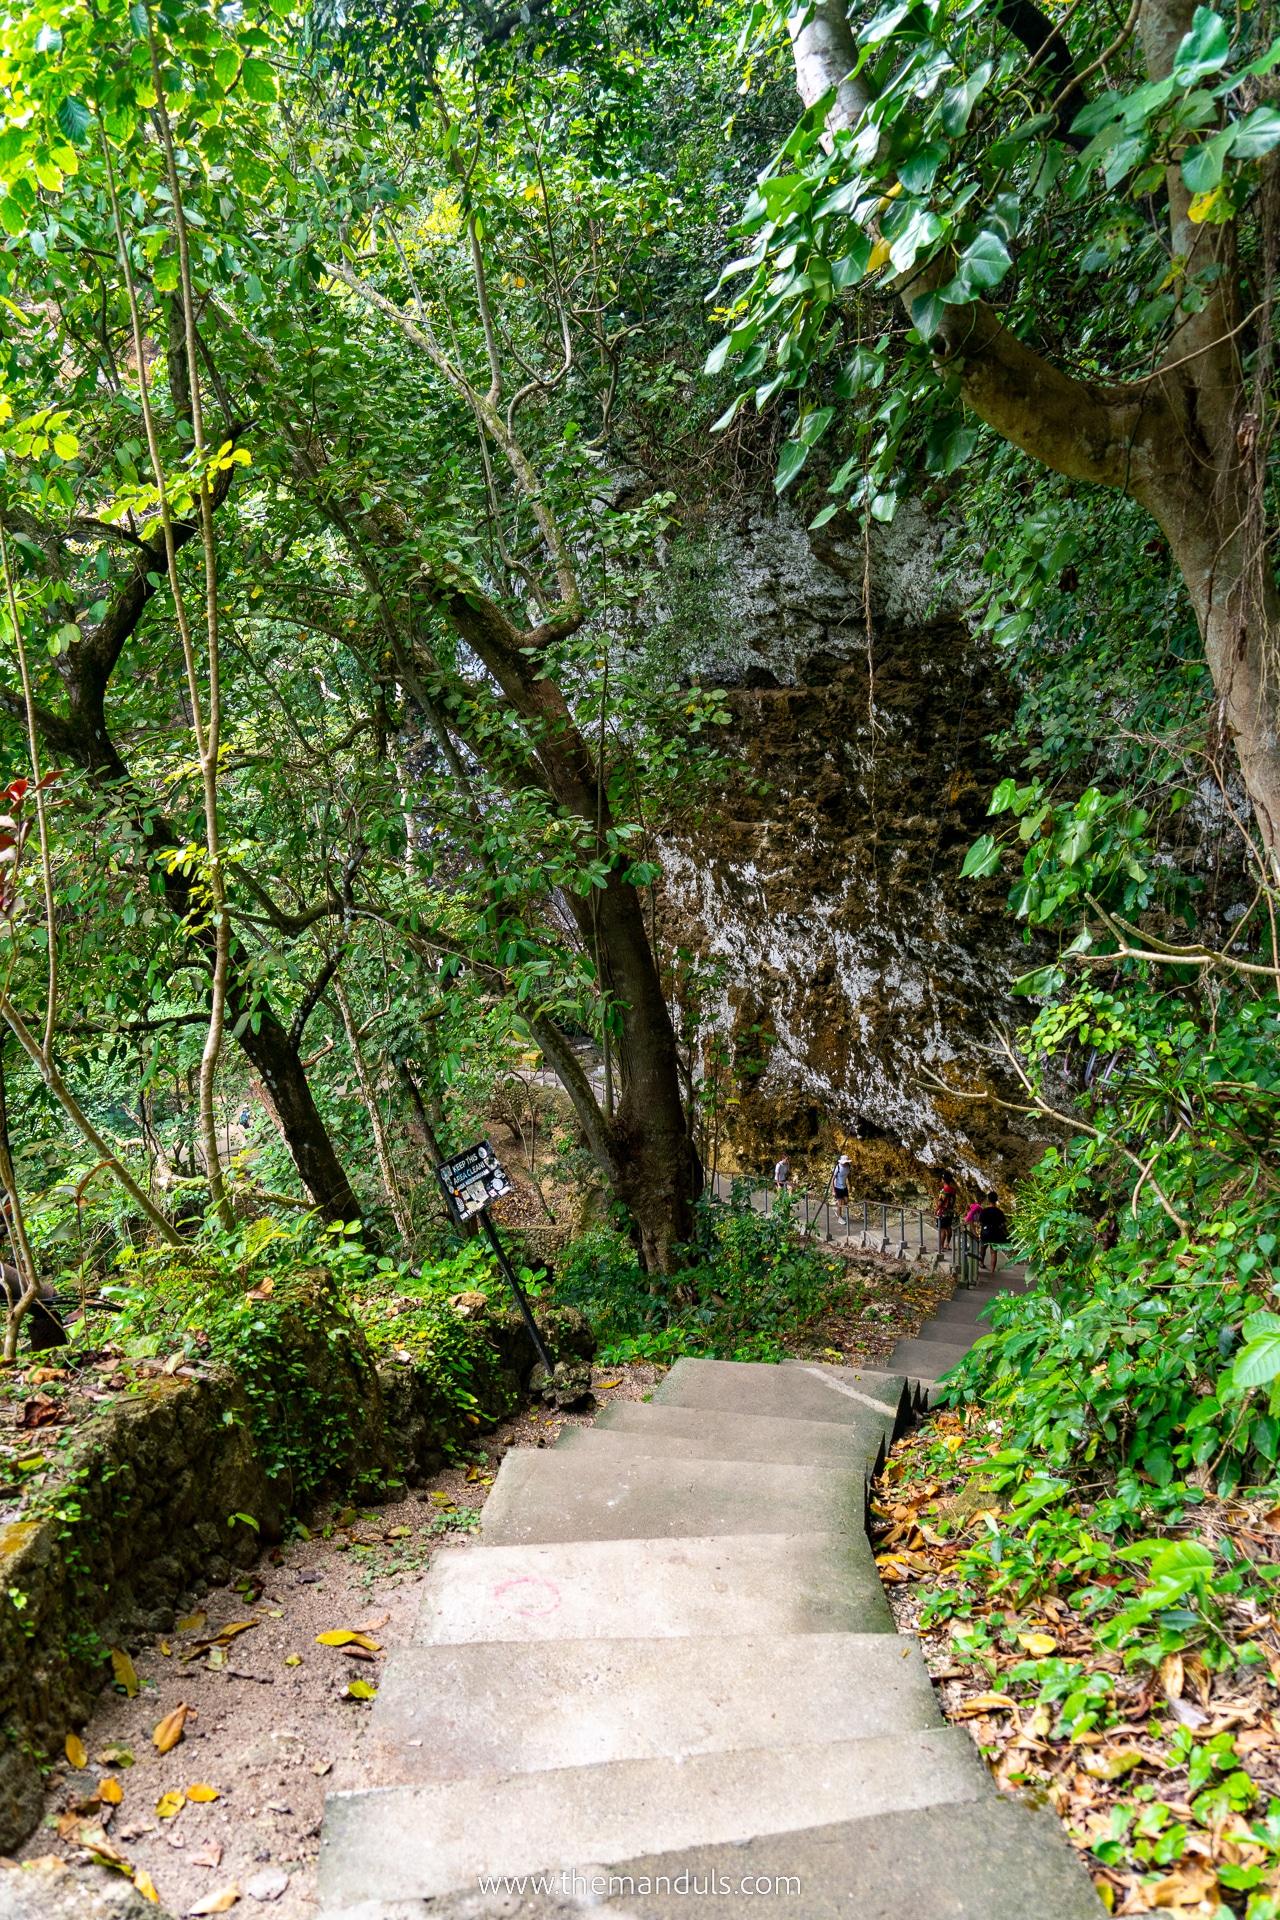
pixel 271 1724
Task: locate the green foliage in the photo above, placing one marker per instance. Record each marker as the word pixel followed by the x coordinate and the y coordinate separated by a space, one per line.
pixel 750 1288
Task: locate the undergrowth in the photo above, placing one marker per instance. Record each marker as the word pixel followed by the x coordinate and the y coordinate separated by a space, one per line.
pixel 748 1287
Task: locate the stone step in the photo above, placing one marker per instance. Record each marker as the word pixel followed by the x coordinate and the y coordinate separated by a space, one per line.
pixel 419 1842
pixel 541 1496
pixel 928 1359
pixel 704 1433
pixel 594 1589
pixel 502 1708
pixel 796 1390
pixel 953 1333
pixel 989 1859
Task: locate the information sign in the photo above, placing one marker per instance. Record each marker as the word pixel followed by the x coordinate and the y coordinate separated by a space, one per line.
pixel 472 1179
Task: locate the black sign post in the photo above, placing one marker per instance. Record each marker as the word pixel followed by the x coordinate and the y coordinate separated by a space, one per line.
pixel 470 1181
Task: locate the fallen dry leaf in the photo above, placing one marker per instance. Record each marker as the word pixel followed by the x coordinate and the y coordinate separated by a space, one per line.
pixel 984 1703
pixel 1185 1888
pixel 110 1790
pixel 322 1766
pixel 192 1622
pixel 146 1885
pixel 126 1674
pixel 293 1659
pixel 347 1637
pixel 115 1757
pixel 95 1841
pixel 168 1731
pixel 202 1794
pixel 360 1690
pixel 373 1623
pixel 210 1856
pixel 170 1803
pixel 1171 1676
pixel 1112 1764
pixel 42 1374
pixel 218 1902
pixel 74 1748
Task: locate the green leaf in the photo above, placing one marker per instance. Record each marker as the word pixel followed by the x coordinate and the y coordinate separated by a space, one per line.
pixel 165 275
pixel 958 102
pixel 984 263
pixel 814 425
pixel 1202 165
pixel 717 356
pixel 258 80
pixel 928 313
pixel 1206 49
pixel 1256 134
pixel 1043 983
pixel 790 461
pixel 1258 1363
pixel 982 859
pixel 226 66
pixel 73 121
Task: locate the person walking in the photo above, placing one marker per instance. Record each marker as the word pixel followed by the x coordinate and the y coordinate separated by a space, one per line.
pixel 782 1174
pixel 994 1228
pixel 840 1186
pixel 945 1212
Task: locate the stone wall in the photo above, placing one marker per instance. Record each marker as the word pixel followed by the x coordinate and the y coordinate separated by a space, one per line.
pixel 859 969
pixel 145 1511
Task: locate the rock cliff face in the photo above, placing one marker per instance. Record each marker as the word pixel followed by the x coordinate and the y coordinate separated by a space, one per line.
pixel 851 968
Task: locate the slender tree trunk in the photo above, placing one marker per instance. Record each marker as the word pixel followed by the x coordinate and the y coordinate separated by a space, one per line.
pixel 369 1094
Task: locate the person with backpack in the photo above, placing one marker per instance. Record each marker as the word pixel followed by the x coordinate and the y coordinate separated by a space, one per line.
pixel 994 1228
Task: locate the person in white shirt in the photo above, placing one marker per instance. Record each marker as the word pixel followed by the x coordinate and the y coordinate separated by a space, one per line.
pixel 782 1175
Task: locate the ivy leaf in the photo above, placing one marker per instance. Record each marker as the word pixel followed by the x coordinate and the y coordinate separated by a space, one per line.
pixel 1256 134
pixel 958 102
pixel 982 859
pixel 790 461
pixel 1205 49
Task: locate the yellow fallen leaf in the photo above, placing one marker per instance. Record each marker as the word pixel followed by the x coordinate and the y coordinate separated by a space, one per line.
pixel 233 1627
pixel 73 1747
pixel 217 1902
pixel 170 1804
pixel 192 1622
pixel 146 1885
pixel 110 1791
pixel 293 1659
pixel 126 1674
pixel 1038 1643
pixel 443 1499
pixel 984 1703
pixel 398 1533
pixel 879 254
pixel 202 1794
pixel 615 1383
pixel 168 1731
pixel 346 1637
pixel 115 1757
pixel 361 1690
pixel 166 1649
pixel 217 1657
pixel 1172 1675
pixel 1111 1765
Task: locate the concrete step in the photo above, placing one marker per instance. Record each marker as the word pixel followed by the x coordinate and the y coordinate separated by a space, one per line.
pixel 419 1842
pixel 541 1496
pixel 988 1859
pixel 703 1433
pixel 481 1710
pixel 928 1359
pixel 616 1589
pixel 796 1390
pixel 953 1333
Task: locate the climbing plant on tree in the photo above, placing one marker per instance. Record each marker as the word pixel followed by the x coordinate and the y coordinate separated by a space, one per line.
pixel 1079 227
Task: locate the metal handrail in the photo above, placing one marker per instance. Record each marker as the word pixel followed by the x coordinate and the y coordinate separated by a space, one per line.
pixel 815 1216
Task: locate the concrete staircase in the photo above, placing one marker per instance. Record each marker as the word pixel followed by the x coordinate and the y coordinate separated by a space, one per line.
pixel 669 1671
pixel 944 1340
